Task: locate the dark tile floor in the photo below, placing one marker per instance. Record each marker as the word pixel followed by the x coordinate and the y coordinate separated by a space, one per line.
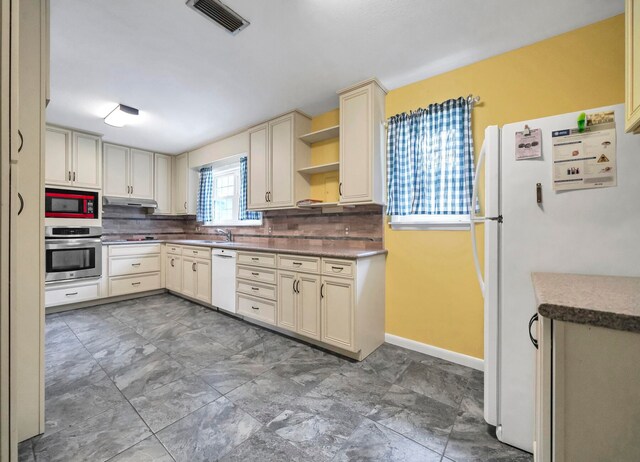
pixel 163 379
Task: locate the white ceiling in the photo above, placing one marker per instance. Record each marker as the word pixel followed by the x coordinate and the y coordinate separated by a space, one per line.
pixel 193 82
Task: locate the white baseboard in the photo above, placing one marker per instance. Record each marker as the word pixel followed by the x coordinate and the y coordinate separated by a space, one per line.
pixel 448 355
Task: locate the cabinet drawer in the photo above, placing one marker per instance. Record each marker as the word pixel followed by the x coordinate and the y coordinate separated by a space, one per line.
pixel 126 250
pixel 257 274
pixel 174 249
pixel 133 284
pixel 257 259
pixel 262 310
pixel 71 294
pixel 258 290
pixel 298 263
pixel 340 268
pixel 120 266
pixel 197 252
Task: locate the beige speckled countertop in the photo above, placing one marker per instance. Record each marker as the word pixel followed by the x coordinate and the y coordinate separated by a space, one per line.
pixel 605 301
pixel 296 248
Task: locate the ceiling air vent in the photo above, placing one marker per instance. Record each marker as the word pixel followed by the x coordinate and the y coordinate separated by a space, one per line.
pixel 220 14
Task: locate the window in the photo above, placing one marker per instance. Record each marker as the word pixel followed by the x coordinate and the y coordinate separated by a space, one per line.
pixel 430 167
pixel 221 193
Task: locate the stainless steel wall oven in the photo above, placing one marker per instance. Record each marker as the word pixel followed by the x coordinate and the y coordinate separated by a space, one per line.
pixel 73 252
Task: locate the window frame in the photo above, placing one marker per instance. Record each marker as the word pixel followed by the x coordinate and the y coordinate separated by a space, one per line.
pixel 430 222
pixel 223 170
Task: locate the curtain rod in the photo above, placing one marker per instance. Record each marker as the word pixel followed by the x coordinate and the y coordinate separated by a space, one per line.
pixel 471 100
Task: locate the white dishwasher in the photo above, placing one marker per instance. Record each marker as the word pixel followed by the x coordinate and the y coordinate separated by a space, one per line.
pixel 223 279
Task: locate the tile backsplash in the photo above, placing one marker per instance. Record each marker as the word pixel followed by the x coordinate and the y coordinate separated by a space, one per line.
pixel 361 225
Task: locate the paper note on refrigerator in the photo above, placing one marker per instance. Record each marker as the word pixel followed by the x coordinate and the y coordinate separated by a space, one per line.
pixel 584 160
pixel 529 144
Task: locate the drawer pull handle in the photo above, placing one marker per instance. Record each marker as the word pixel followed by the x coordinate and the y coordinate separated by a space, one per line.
pixel 297 263
pixel 195 252
pixel 255 258
pixel 135 264
pixel 255 288
pixel 337 269
pixel 254 307
pixel 135 283
pixel 256 274
pixel 71 294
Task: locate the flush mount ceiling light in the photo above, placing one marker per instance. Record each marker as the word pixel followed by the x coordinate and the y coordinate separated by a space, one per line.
pixel 121 116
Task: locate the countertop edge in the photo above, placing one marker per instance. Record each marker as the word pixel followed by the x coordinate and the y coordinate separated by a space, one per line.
pixel 616 321
pixel 348 254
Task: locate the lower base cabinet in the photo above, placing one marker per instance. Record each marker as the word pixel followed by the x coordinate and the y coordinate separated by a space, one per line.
pixel 72 292
pixel 134 284
pixel 587 393
pixel 338 312
pixel 173 271
pixel 299 303
pixel 257 308
pixel 134 269
pixel 196 278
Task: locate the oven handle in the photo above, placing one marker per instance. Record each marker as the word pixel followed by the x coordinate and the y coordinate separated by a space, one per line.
pixel 71 243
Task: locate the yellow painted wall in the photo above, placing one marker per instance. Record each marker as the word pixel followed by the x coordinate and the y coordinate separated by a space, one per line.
pixel 432 292
pixel 324 186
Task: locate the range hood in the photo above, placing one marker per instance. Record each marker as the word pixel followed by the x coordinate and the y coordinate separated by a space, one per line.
pixel 129 202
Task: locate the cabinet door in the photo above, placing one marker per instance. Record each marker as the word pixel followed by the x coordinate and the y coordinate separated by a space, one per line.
pixel 141 176
pixel 189 279
pixel 174 273
pixel 180 192
pixel 632 29
pixel 338 312
pixel 258 168
pixel 356 145
pixel 281 141
pixel 57 157
pixel 162 183
pixel 309 305
pixel 203 280
pixel 87 161
pixel 116 171
pixel 286 300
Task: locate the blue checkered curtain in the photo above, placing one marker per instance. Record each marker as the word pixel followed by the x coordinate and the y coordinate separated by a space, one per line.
pixel 204 211
pixel 430 160
pixel 244 213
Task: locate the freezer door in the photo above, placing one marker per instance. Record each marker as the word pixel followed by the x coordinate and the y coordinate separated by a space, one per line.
pixel 591 231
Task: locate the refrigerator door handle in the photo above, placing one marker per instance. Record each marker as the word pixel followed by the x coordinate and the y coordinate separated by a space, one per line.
pixel 473 219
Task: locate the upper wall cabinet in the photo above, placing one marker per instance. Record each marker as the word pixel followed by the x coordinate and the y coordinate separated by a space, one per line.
pixel 128 172
pixel 163 181
pixel 633 66
pixel 362 144
pixel 185 186
pixel 72 159
pixel 275 155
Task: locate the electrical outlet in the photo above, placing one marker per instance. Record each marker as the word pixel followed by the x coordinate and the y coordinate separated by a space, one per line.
pixel 197 229
pixel 346 230
pixel 270 230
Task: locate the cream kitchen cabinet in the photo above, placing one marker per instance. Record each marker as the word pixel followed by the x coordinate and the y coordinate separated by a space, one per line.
pixel 196 273
pixel 362 144
pixel 163 181
pixel 338 313
pixel 185 186
pixel 134 268
pixel 299 303
pixel 128 172
pixel 632 100
pixel 72 158
pixel 275 155
pixel 173 270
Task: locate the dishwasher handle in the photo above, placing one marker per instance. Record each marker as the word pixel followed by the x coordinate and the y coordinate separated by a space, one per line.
pixel 222 256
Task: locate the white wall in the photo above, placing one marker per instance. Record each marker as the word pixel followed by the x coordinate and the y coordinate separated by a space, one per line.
pixel 218 150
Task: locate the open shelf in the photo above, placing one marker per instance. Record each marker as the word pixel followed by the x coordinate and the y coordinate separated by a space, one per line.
pixel 321 135
pixel 330 167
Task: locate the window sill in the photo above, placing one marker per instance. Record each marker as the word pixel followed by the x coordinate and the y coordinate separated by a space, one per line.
pixel 233 223
pixel 426 222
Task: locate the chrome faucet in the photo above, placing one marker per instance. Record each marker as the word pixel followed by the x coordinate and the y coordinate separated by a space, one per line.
pixel 226 234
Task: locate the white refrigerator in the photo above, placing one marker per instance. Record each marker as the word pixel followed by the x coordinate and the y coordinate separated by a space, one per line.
pixel 587 231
